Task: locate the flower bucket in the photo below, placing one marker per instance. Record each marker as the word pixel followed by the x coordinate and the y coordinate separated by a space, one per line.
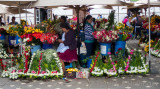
pixel 120 44
pixel 105 48
pixel 17 39
pixel 89 62
pixel 35 48
pixel 13 40
pixel 47 46
pixel 2 37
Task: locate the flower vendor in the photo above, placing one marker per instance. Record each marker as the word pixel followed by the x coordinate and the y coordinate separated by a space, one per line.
pixel 13 21
pixel 1 23
pixel 67 47
pixel 89 39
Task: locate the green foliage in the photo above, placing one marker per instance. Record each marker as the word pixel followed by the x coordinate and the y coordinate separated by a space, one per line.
pixel 111 20
pixel 48 61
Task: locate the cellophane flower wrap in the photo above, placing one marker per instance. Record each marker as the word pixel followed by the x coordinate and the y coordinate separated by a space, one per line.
pixel 105 36
pixel 48 37
pixel 124 36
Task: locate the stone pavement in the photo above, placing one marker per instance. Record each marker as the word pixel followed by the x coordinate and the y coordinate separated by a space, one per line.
pixel 150 81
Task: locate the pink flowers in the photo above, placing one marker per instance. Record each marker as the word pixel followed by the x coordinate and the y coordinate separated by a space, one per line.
pixel 33 72
pixel 127 66
pixel 129 57
pixel 132 50
pixel 19 71
pixel 131 53
pixel 48 37
pixel 109 53
pixel 112 63
pixel 43 72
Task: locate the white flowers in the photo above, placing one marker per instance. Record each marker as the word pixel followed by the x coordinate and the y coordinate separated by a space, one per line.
pixel 3 54
pixel 5 74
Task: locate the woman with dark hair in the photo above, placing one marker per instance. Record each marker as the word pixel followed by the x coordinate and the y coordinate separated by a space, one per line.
pixel 67 47
pixel 88 30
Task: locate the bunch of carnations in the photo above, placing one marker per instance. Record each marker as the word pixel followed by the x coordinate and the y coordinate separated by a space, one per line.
pixel 48 37
pixel 105 36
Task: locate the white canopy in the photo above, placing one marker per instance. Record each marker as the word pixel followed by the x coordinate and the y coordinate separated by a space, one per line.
pixel 16 2
pixel 12 10
pixel 3 10
pixel 43 3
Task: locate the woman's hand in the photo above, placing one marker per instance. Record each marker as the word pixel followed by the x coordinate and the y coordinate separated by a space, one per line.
pixel 60 41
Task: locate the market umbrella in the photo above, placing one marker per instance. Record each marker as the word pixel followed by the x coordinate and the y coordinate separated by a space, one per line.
pixel 74 2
pixel 3 10
pixel 15 10
pixel 16 2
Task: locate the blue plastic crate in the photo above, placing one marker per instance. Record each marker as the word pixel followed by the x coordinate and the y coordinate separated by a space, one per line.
pixel 69 66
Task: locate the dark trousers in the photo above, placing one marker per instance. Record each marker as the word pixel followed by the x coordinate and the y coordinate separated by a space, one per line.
pixel 89 49
pixel 138 31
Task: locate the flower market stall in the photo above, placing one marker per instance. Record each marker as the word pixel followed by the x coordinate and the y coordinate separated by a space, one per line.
pixel 33 62
pixel 144 41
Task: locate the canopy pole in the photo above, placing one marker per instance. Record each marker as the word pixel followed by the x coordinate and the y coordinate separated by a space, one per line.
pixel 118 14
pixel 78 30
pixel 149 32
pixel 26 16
pixel 19 13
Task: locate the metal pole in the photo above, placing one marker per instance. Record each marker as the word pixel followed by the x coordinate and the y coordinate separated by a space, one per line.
pixel 149 31
pixel 19 13
pixel 26 16
pixel 118 14
pixel 20 23
pixel 78 30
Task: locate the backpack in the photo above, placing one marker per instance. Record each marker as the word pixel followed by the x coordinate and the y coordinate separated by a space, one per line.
pixel 139 21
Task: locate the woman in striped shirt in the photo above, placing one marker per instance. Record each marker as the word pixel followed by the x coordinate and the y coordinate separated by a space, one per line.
pixel 88 30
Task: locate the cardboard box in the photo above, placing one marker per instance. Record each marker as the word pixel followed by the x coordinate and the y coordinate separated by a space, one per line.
pixel 70 74
pixel 82 75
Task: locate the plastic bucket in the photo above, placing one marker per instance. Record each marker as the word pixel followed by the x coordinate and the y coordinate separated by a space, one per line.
pixel 47 46
pixel 89 62
pixel 2 37
pixel 120 44
pixel 69 66
pixel 13 40
pixel 35 48
pixel 17 39
pixel 105 48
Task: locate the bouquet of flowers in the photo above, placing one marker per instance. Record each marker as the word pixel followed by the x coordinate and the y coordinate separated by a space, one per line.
pixel 105 36
pixel 48 37
pixel 23 22
pixel 124 36
pixel 32 38
pixel 101 24
pixel 48 26
pixel 156 50
pixel 12 30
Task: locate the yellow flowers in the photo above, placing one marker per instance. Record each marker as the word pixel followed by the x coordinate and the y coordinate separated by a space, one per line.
pixel 32 30
pixel 120 26
pixel 12 31
pixel 73 70
pixel 146 49
pixel 153 19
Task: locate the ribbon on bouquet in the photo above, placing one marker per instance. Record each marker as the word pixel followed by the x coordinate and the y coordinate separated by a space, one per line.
pixel 94 62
